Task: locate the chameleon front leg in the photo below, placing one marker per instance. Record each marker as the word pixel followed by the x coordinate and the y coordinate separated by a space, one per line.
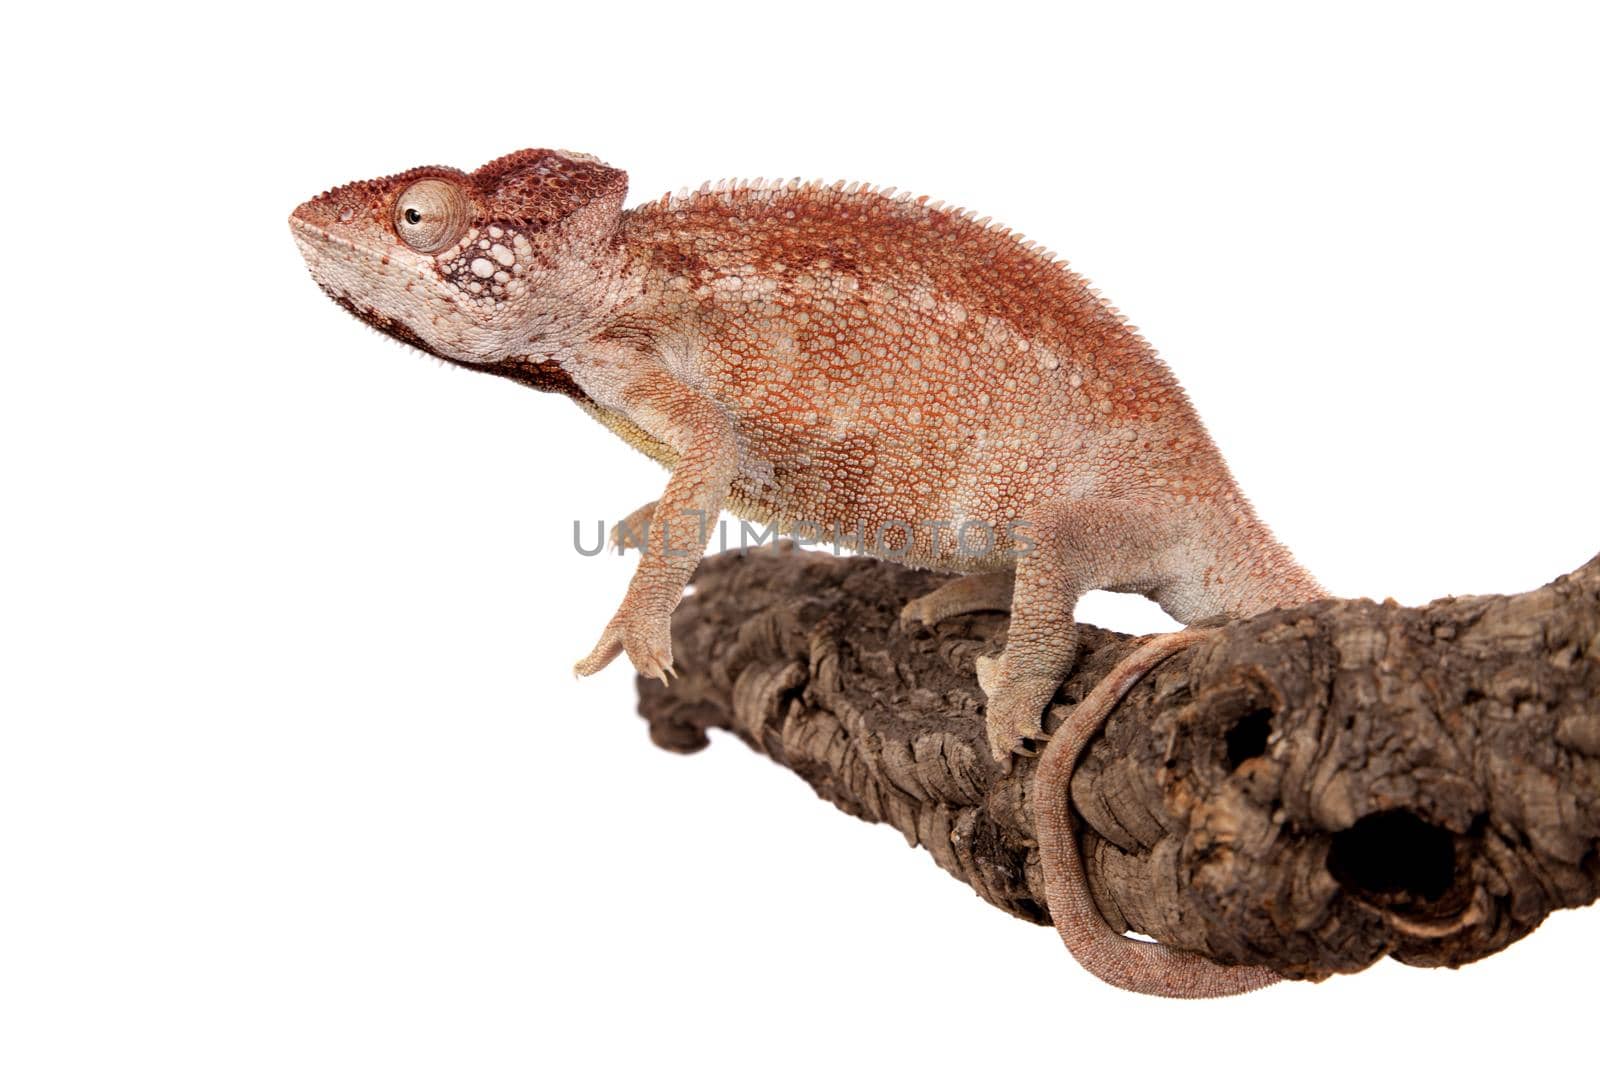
pixel 988 591
pixel 682 521
pixel 630 532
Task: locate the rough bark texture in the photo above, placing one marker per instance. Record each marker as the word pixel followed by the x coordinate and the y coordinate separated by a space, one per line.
pixel 1311 789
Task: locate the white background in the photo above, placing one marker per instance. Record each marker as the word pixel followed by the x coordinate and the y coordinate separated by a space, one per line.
pixel 293 766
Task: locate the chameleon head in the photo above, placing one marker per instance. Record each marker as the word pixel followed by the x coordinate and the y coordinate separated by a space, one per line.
pixel 510 261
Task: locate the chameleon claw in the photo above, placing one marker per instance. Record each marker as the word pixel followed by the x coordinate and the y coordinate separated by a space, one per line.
pixel 662 673
pixel 661 669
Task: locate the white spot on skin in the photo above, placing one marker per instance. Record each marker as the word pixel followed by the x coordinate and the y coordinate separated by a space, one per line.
pixel 502 255
pixel 482 267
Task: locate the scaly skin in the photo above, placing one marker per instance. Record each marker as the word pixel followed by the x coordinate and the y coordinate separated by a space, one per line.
pixel 829 355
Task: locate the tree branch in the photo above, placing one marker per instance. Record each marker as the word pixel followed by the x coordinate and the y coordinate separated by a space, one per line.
pixel 1311 789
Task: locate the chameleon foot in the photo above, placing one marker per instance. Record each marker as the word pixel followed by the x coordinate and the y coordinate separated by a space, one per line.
pixel 964 595
pixel 1015 708
pixel 647 641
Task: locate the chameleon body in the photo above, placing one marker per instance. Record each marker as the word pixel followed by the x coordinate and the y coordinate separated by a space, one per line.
pixel 895 374
pixel 922 384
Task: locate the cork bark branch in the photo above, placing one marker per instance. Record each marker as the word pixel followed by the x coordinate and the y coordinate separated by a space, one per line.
pixel 1312 789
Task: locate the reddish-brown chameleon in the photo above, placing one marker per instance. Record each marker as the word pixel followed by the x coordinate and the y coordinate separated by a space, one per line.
pixel 907 379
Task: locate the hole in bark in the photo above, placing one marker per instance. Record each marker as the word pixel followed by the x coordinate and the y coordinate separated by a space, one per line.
pixel 1394 852
pixel 1247 738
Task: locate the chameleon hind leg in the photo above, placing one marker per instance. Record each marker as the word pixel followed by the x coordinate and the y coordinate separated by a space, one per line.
pixel 989 591
pixel 1042 640
pixel 1041 646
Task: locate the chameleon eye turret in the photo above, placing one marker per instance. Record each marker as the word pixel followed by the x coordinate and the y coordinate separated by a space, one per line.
pixel 431 215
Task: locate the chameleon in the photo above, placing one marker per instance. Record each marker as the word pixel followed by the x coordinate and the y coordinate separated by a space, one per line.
pixel 899 375
pixel 909 379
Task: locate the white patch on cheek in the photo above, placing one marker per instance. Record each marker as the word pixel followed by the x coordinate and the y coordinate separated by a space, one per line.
pixel 404 290
pixel 482 269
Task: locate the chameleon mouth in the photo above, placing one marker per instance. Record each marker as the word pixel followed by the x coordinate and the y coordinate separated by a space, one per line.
pixel 318 243
pixel 547 377
pixel 309 237
pixel 301 227
pixel 328 256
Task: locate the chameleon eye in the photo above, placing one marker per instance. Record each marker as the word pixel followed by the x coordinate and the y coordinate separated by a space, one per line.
pixel 431 215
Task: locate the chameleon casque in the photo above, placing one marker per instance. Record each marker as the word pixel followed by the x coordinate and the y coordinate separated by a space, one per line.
pixel 834 355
